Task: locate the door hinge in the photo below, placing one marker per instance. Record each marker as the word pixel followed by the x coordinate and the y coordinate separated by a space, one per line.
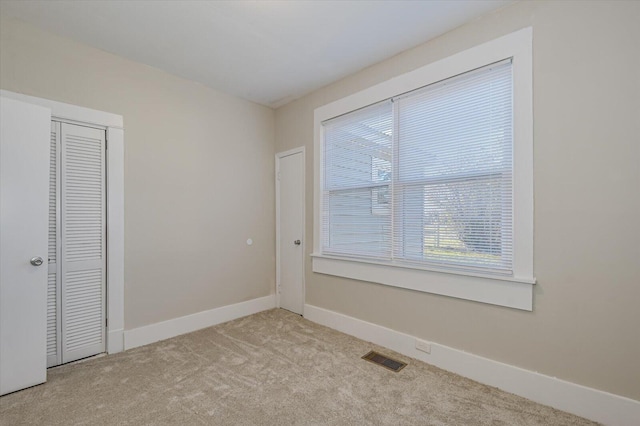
pixel 106 322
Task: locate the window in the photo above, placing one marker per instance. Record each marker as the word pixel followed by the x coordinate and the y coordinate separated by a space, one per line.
pixel 433 179
pixel 426 177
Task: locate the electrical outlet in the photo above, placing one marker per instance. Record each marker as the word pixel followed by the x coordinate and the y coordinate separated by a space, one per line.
pixel 423 346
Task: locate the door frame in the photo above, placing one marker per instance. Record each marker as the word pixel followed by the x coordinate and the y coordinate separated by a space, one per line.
pixel 279 156
pixel 113 124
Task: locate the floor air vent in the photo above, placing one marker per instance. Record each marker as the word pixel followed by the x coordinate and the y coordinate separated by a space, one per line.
pixel 382 360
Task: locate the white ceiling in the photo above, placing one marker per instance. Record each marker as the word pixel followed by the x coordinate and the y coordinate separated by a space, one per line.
pixel 270 52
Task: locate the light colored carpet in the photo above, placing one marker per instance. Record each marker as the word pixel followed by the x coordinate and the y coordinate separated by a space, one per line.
pixel 272 368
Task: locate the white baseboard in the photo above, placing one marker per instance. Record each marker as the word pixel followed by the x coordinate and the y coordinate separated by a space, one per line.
pixel 590 403
pixel 115 341
pixel 166 329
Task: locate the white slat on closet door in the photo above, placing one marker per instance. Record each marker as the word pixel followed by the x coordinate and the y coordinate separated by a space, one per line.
pixel 83 244
pixel 53 283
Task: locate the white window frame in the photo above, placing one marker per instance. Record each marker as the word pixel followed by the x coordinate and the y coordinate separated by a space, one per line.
pixel 515 291
pixel 113 124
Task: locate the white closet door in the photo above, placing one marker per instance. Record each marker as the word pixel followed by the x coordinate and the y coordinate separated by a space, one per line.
pixel 83 244
pixel 53 280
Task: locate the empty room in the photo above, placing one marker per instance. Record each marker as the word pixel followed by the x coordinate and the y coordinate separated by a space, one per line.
pixel 319 212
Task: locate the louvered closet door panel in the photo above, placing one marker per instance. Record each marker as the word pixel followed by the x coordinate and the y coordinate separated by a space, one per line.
pixel 83 243
pixel 53 282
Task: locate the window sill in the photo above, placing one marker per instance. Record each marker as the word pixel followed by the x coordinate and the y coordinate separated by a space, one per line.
pixel 503 291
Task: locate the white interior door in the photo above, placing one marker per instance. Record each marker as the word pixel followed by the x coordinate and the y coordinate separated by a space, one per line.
pixel 82 235
pixel 24 187
pixel 290 199
pixel 76 277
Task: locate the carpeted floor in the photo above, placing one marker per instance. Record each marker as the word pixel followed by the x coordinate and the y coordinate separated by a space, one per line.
pixel 272 368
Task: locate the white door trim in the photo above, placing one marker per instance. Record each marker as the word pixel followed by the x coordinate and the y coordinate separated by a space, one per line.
pixel 279 156
pixel 113 124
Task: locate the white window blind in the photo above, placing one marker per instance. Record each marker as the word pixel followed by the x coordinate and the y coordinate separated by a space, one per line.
pixel 425 178
pixel 357 183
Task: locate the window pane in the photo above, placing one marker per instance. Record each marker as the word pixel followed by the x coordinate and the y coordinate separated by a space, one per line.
pixel 453 189
pixel 463 223
pixel 459 127
pixel 357 148
pixel 357 174
pixel 359 222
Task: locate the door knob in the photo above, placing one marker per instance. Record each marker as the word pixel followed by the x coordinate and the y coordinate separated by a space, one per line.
pixel 36 261
pixel 296 242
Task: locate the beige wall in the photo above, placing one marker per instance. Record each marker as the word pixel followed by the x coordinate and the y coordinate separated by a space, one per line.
pixel 585 326
pixel 199 170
